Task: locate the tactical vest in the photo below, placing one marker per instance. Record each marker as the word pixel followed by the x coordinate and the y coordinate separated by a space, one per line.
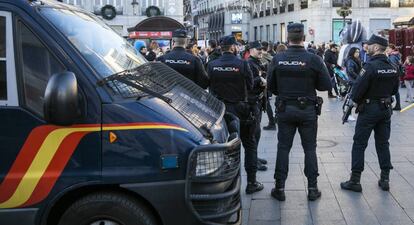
pixel 382 81
pixel 294 75
pixel 227 81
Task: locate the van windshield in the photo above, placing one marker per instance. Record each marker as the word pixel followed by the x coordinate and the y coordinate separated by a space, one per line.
pixel 106 51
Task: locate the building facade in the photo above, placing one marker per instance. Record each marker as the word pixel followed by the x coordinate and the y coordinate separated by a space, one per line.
pixel 217 18
pixel 130 12
pixel 270 18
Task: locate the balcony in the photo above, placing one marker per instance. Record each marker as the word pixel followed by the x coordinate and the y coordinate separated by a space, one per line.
pixel 406 3
pixel 274 11
pixel 267 13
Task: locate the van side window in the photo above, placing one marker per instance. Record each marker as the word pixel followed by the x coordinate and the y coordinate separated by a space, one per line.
pixel 38 64
pixel 3 75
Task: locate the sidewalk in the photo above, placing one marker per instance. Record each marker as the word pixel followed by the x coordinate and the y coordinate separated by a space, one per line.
pixel 337 207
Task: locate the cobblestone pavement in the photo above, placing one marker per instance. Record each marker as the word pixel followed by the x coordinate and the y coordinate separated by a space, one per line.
pixel 337 207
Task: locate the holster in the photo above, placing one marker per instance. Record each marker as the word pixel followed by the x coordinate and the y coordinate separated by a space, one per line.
pixel 318 105
pixel 360 108
pixel 280 105
pixel 386 103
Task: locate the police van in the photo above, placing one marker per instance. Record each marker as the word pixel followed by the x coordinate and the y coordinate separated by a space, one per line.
pixel 92 133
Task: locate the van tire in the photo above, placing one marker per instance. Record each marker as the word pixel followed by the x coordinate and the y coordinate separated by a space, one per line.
pixel 112 206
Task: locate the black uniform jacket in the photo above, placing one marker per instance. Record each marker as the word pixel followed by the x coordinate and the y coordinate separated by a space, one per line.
pixel 187 64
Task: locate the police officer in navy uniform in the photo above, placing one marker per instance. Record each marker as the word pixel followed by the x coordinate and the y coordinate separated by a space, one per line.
pixel 294 76
pixel 378 81
pixel 230 80
pixel 187 64
pixel 256 96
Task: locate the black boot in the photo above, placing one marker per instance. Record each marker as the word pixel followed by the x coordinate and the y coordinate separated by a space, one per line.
pixel 260 166
pixel 279 191
pixel 313 193
pixel 263 161
pixel 253 187
pixel 384 182
pixel 354 183
pixel 270 127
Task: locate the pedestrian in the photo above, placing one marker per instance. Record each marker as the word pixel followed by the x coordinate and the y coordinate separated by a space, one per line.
pixel 364 53
pixel 409 78
pixel 373 91
pixel 353 64
pixel 214 51
pixel 143 50
pixel 256 97
pixel 230 79
pixel 271 50
pixel 394 56
pixel 266 57
pixel 183 62
pixel 331 61
pixel 294 76
pixel 154 50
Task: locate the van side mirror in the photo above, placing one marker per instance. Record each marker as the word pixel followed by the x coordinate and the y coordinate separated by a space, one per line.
pixel 61 100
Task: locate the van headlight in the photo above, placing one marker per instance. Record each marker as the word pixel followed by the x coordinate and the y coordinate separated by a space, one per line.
pixel 209 162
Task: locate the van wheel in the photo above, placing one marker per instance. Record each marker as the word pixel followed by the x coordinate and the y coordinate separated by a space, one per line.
pixel 107 208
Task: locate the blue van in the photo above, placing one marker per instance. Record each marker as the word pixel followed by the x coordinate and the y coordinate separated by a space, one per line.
pixel 92 133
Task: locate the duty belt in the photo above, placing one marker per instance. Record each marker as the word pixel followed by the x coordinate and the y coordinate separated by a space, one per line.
pixel 380 100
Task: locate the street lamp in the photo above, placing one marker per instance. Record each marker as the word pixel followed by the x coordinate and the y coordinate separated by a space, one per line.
pixel 134 4
pixel 344 11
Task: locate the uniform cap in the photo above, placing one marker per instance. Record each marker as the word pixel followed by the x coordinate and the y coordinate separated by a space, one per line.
pixel 375 39
pixel 179 33
pixel 228 40
pixel 295 28
pixel 255 44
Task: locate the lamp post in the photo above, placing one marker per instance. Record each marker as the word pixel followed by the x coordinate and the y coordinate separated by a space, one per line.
pixel 134 4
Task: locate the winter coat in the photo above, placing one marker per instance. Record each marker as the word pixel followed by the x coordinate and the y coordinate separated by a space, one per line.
pixel 353 68
pixel 409 72
pixel 331 60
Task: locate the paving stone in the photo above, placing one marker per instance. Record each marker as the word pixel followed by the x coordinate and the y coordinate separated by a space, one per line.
pixel 337 207
pixel 268 210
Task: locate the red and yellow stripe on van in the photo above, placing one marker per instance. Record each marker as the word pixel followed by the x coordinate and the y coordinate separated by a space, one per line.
pixel 44 156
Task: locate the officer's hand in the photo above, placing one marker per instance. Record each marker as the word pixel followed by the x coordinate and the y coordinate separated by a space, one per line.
pixel 263 82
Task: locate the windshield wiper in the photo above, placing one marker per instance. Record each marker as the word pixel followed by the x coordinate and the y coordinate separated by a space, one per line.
pixel 120 78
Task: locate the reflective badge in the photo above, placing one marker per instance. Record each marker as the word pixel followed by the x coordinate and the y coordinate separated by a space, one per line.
pixel 362 73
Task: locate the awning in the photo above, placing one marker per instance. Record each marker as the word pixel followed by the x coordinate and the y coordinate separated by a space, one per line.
pixel 404 20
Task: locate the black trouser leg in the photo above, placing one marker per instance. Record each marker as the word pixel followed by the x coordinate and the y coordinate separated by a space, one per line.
pixel 269 112
pixel 285 135
pixel 247 135
pixel 258 129
pixel 382 135
pixel 308 131
pixel 363 129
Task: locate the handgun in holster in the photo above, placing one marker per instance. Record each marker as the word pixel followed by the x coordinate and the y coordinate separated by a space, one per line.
pixel 318 105
pixel 303 101
pixel 280 105
pixel 386 103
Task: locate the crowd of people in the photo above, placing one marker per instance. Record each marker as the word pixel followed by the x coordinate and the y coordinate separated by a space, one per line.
pixel 245 75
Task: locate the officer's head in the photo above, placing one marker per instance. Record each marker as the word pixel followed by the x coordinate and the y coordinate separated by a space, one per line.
pixel 376 45
pixel 179 38
pixel 296 34
pixel 255 49
pixel 228 43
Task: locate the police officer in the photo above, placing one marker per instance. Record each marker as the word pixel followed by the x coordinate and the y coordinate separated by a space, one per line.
pixel 230 80
pixel 293 76
pixel 377 82
pixel 187 64
pixel 256 97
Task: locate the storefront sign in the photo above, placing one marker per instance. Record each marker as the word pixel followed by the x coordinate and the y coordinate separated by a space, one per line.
pixel 150 34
